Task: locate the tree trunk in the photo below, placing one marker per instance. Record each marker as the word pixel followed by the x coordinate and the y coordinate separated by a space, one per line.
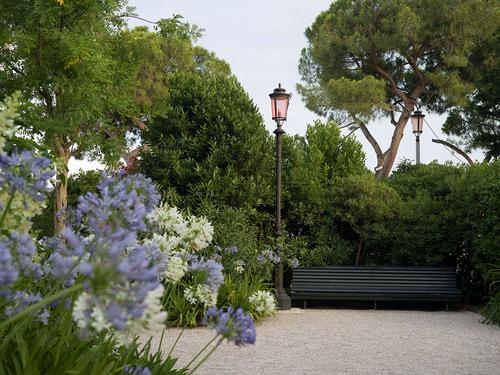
pixel 61 191
pixel 397 135
pixel 385 160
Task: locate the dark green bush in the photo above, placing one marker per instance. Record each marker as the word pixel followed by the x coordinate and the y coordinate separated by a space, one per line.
pixel 210 144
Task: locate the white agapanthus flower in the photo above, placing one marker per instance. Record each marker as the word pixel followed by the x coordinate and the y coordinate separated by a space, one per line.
pixel 263 302
pixel 153 318
pixel 201 293
pixel 8 113
pixel 166 243
pixel 200 232
pixel 81 305
pixel 176 269
pixel 196 233
pixel 240 266
pixel 205 296
pixel 190 296
pixel 99 322
pixel 168 219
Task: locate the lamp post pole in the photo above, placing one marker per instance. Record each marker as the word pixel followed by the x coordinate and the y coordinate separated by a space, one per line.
pixel 279 102
pixel 417 141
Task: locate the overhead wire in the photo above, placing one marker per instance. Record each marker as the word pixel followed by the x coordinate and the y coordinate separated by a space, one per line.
pixel 450 151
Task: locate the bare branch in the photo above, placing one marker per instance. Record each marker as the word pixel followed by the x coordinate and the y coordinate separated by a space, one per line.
pixel 393 119
pixel 352 131
pixel 392 84
pixel 455 148
pixel 371 139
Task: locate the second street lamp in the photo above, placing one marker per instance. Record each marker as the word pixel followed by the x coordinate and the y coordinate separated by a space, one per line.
pixel 417 123
pixel 279 106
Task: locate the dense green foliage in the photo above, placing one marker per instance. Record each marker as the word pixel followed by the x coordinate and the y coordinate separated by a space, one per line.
pixel 312 165
pixel 88 83
pixel 476 124
pixel 367 58
pixel 34 348
pixel 209 145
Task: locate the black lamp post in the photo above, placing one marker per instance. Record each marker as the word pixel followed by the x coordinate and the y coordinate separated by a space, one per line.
pixel 417 123
pixel 279 105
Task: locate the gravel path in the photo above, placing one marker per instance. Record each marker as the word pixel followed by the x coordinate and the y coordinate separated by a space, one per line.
pixel 354 342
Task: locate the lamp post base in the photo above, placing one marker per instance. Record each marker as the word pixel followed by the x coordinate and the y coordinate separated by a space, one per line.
pixel 283 299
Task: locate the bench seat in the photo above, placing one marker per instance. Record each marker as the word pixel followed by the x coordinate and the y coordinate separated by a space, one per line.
pixel 364 283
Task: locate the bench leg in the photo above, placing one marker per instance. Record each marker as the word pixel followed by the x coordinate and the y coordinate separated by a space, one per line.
pixel 375 305
pixel 305 304
pixel 447 307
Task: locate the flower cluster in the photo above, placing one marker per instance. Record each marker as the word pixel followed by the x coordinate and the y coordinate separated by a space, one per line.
pixel 121 207
pixel 193 233
pixel 232 325
pixel 176 269
pixel 200 294
pixel 7 115
pixel 93 313
pixel 23 187
pixel 208 272
pixel 16 258
pixel 240 266
pixel 207 277
pixel 25 173
pixel 137 370
pixel 121 274
pixel 263 303
pixel 268 256
pixel 231 250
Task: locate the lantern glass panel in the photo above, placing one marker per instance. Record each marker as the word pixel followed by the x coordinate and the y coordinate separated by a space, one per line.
pixel 417 122
pixel 279 107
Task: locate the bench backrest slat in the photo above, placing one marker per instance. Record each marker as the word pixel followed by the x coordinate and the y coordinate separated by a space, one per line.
pixel 398 283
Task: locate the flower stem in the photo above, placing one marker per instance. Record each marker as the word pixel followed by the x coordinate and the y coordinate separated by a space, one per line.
pixel 40 304
pixel 202 350
pixel 7 208
pixel 207 356
pixel 176 341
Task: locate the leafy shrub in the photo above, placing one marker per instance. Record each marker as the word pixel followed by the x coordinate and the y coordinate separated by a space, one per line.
pixel 237 292
pixel 492 309
pixel 209 145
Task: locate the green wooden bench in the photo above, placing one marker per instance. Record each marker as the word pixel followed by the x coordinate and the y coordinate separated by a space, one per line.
pixel 352 283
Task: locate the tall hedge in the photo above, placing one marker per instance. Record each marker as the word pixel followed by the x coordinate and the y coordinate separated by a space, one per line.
pixel 210 144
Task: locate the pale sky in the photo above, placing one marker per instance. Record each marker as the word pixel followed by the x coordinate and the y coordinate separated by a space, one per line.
pixel 262 41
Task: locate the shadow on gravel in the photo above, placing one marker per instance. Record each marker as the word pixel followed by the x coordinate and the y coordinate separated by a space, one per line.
pixel 381 305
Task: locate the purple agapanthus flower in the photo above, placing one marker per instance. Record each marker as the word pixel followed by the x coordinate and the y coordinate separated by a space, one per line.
pixel 231 250
pixel 44 316
pixel 26 173
pixel 16 258
pixel 121 203
pixel 136 370
pixel 211 272
pixel 23 249
pixel 8 272
pixel 20 300
pixel 269 256
pixel 118 271
pixel 233 325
